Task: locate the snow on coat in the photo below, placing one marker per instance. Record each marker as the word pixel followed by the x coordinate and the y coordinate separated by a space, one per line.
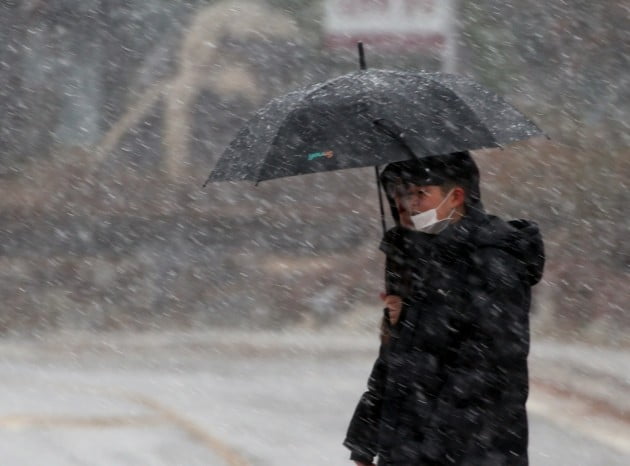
pixel 451 383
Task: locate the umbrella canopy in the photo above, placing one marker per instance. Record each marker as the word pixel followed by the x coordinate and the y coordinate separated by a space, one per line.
pixel 369 118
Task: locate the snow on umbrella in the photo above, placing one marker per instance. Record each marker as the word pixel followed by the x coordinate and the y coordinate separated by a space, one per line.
pixel 369 118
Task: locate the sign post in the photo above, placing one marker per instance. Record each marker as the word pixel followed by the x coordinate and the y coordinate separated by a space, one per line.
pixel 393 25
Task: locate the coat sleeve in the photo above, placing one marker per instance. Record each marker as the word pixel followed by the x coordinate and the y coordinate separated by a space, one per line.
pixel 362 436
pixel 488 358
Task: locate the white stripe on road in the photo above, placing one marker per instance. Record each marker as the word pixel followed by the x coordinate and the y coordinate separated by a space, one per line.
pixel 161 414
pixel 232 457
pixel 22 421
pixel 575 413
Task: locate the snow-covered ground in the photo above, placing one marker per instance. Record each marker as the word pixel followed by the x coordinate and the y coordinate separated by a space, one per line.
pixel 261 399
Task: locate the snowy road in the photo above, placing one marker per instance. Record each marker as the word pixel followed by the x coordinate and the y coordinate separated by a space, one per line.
pixel 258 400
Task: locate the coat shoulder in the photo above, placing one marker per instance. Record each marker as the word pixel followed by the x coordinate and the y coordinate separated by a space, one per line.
pixel 510 249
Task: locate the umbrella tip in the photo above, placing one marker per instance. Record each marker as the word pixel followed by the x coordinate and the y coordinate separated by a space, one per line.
pixel 362 64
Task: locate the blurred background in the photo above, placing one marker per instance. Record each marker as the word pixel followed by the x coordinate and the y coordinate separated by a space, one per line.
pixel 114 112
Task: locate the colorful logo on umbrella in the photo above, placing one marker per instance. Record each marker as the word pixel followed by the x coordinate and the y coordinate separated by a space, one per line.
pixel 328 154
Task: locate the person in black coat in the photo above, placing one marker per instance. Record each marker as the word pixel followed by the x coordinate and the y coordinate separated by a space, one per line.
pixel 450 383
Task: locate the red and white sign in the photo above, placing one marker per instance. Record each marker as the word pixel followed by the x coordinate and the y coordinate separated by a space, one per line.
pixel 390 24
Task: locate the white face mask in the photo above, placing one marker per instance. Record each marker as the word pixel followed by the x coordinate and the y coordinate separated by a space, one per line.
pixel 427 221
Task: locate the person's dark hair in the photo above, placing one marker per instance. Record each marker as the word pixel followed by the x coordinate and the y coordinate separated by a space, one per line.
pixel 446 171
pixel 449 185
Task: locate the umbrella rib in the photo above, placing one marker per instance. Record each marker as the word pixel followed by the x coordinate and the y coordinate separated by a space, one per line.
pixel 474 112
pixel 257 178
pixel 444 88
pixel 306 92
pixel 275 137
pixel 427 76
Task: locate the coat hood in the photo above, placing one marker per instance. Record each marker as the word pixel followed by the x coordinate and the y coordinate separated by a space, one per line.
pixel 520 238
pixel 477 230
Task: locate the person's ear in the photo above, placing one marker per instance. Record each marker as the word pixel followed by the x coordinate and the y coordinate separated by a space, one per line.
pixel 458 197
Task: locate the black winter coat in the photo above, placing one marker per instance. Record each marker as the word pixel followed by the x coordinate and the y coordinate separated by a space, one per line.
pixel 450 385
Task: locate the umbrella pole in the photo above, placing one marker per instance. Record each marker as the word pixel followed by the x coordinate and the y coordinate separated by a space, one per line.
pixel 380 199
pixel 363 66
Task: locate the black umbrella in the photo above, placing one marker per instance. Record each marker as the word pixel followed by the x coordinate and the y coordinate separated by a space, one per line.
pixel 369 118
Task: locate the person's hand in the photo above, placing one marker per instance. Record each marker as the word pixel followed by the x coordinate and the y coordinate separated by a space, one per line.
pixel 393 304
